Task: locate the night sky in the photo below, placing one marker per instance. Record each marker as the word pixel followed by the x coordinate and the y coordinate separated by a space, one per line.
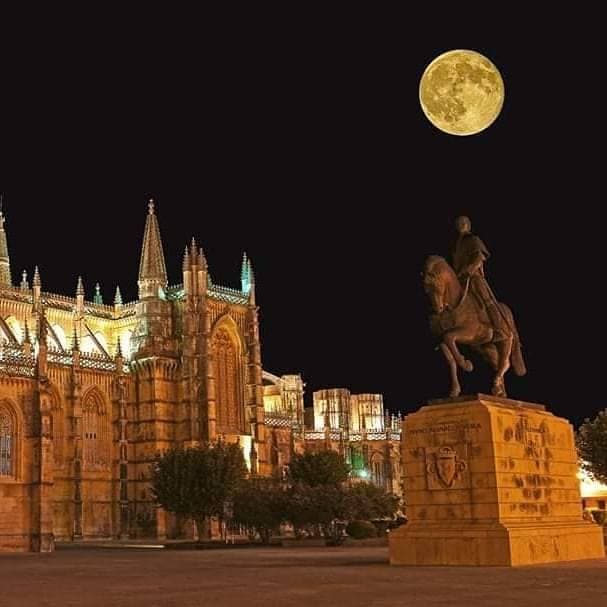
pixel 305 145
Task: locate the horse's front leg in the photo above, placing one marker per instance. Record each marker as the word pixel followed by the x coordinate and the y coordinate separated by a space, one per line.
pixel 456 389
pixel 504 350
pixel 450 339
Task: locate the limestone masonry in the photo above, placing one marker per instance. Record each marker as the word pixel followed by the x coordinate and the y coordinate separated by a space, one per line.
pixel 90 393
pixel 491 481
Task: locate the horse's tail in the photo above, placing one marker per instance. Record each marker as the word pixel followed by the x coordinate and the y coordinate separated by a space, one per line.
pixel 516 356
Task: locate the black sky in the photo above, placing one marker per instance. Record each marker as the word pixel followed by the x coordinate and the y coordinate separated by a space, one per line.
pixel 300 139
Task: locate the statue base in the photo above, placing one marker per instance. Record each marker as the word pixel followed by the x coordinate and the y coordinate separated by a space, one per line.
pixel 491 481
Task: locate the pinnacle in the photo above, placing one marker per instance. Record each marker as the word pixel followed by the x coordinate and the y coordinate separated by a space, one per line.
pixel 152 266
pixel 98 298
pixel 194 250
pixel 80 286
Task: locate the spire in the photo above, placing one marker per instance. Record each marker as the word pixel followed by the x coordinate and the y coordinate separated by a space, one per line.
pixel 37 282
pixel 98 298
pixel 119 349
pixel 194 251
pixel 118 297
pixel 80 287
pixel 187 261
pixel 244 274
pixel 202 257
pixel 152 269
pixel 5 264
pixel 24 284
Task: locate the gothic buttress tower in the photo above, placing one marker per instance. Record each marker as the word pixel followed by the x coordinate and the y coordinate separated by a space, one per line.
pixel 155 370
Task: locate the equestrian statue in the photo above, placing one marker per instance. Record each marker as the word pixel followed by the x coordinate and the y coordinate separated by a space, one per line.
pixel 464 311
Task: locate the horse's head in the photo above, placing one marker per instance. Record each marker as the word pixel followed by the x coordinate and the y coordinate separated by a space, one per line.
pixel 438 276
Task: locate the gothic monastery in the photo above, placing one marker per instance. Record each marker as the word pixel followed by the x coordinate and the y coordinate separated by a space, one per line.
pixel 90 393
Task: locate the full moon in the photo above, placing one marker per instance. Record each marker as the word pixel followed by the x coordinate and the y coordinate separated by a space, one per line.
pixel 461 92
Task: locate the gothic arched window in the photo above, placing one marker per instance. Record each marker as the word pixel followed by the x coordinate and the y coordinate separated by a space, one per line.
pixel 377 470
pixel 96 431
pixel 228 382
pixel 8 441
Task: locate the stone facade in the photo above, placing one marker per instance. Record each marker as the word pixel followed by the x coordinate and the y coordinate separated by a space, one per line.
pixel 358 427
pixel 90 393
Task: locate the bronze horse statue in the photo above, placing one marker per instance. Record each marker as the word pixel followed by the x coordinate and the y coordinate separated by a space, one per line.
pixel 458 317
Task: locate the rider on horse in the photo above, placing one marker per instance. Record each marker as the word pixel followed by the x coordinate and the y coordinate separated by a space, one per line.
pixel 469 255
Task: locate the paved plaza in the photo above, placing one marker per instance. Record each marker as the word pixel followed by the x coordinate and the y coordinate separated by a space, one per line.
pixel 282 577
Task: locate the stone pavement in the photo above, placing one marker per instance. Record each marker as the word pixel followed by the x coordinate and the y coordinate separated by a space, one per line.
pixel 283 577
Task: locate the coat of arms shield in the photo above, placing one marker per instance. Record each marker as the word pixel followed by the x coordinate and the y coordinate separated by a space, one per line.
pixel 443 467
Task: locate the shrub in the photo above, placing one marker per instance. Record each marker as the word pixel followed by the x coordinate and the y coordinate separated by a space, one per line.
pixel 361 530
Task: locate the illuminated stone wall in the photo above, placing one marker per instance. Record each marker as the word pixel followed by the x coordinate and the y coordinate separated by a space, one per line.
pixel 356 426
pixel 92 392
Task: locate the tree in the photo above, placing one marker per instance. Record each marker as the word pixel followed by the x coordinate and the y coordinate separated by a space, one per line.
pixel 321 507
pixel 260 503
pixel 318 469
pixel 198 482
pixel 319 499
pixel 367 502
pixel 592 446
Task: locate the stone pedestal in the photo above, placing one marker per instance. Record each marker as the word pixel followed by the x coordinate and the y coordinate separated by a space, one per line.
pixel 491 481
